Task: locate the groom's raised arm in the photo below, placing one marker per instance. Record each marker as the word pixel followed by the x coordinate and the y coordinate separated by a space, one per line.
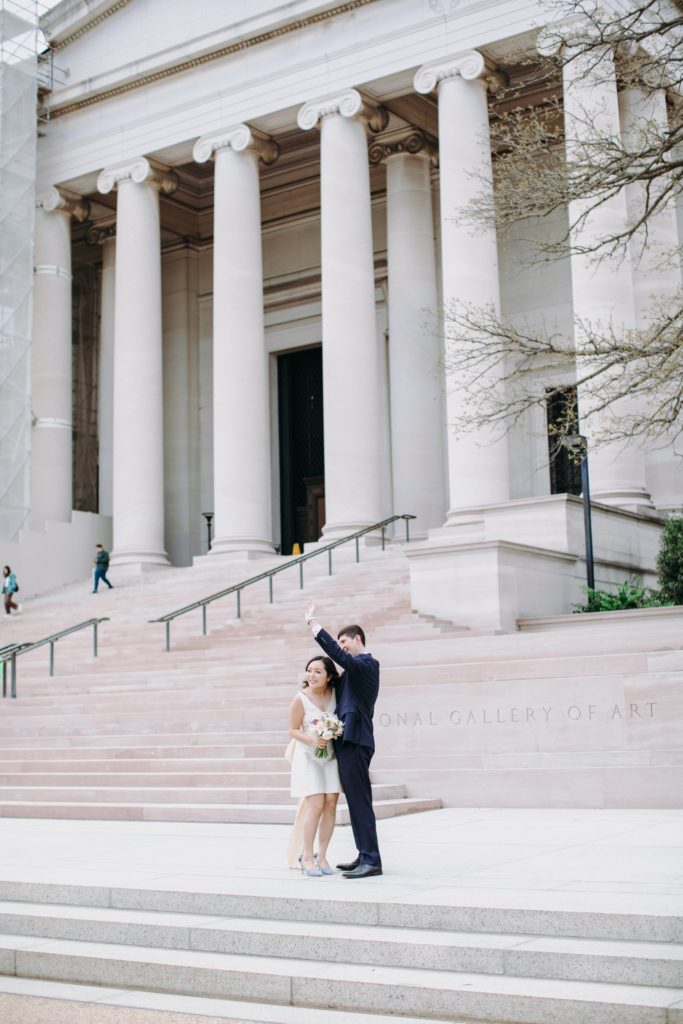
pixel 328 643
pixel 361 676
pixel 331 647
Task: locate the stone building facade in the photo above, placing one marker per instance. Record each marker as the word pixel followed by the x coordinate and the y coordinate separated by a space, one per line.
pixel 266 199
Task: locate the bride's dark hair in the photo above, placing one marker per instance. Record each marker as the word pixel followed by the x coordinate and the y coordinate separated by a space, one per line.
pixel 330 668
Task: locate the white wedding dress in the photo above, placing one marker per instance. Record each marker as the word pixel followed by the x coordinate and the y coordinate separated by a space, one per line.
pixel 310 774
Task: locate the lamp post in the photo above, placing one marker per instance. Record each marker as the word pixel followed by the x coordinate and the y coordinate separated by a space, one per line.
pixel 208 516
pixel 577 446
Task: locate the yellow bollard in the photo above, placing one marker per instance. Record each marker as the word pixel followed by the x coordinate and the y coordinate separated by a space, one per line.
pixel 296 548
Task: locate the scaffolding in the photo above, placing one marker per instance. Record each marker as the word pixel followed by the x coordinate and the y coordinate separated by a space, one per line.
pixel 18 91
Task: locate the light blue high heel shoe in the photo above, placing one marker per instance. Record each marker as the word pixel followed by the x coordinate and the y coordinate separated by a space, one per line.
pixel 315 873
pixel 323 871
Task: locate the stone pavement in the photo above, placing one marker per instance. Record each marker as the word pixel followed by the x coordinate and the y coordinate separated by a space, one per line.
pixel 626 858
pixel 593 899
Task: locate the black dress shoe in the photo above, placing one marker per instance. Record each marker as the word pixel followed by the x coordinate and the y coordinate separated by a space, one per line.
pixel 363 871
pixel 349 867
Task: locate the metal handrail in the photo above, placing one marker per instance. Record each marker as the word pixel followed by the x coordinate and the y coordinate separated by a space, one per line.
pixel 10 652
pixel 237 588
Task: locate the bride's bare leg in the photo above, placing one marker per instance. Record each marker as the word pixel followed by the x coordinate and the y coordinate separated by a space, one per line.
pixel 326 828
pixel 312 811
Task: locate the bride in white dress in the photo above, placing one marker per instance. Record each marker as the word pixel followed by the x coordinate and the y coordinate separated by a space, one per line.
pixel 315 780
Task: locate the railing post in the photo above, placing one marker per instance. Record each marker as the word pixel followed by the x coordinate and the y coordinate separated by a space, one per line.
pixel 239 604
pixel 407 530
pixel 13 675
pixel 357 550
pixel 301 575
pixel 203 620
pixel 94 639
pixel 270 588
pixel 382 538
pixel 52 657
pixel 329 562
pixel 4 678
pixel 168 634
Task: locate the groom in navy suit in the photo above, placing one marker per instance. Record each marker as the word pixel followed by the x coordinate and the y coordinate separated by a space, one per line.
pixel 357 692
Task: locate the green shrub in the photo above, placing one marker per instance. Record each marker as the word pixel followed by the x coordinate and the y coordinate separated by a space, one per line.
pixel 629 595
pixel 670 561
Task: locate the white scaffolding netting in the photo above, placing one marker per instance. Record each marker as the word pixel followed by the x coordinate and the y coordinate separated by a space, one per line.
pixel 18 73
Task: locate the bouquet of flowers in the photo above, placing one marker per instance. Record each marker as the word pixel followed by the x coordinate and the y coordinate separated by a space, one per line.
pixel 328 727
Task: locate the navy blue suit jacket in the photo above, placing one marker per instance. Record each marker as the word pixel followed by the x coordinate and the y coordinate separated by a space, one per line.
pixel 356 690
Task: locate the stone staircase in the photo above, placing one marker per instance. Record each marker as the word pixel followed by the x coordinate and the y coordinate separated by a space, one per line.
pixel 197 735
pixel 583 712
pixel 140 956
pixel 180 736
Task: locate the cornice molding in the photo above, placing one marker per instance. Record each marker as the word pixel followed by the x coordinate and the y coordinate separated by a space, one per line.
pixel 206 58
pixel 241 138
pixel 349 103
pixel 411 141
pixel 85 28
pixel 54 199
pixel 140 171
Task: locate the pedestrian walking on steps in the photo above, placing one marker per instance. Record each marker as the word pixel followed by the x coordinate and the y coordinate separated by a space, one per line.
pixel 101 566
pixel 9 589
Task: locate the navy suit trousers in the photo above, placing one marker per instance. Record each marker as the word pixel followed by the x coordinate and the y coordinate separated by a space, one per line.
pixel 354 773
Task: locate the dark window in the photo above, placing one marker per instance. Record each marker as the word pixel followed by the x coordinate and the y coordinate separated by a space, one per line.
pixel 563 418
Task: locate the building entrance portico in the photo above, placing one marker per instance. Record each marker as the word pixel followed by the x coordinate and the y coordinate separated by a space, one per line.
pixel 295 215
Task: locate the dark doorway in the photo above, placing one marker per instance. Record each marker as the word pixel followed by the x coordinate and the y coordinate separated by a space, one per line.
pixel 302 458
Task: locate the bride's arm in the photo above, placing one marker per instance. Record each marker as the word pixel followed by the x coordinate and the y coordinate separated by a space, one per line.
pixel 296 718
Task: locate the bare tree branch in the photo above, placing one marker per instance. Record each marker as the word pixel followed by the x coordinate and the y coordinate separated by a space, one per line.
pixel 543 178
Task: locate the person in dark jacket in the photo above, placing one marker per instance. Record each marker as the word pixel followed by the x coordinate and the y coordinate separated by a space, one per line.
pixel 357 692
pixel 101 566
pixel 9 589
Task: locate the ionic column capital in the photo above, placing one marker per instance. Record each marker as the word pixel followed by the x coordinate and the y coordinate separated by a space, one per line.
pixel 566 34
pixel 240 138
pixel 142 172
pixel 403 140
pixel 469 65
pixel 54 199
pixel 349 103
pixel 98 234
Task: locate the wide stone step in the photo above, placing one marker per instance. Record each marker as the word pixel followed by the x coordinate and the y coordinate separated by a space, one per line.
pixel 123 762
pixel 31 1001
pixel 246 813
pixel 248 744
pixel 634 963
pixel 595 915
pixel 114 792
pixel 353 987
pixel 153 778
pixel 117 724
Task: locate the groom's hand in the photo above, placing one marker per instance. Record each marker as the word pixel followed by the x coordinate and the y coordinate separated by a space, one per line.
pixel 311 619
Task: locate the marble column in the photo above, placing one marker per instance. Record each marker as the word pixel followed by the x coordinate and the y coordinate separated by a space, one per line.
pixel 478 461
pixel 654 256
pixel 105 238
pixel 51 367
pixel 138 461
pixel 415 347
pixel 351 347
pixel 601 283
pixel 241 422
